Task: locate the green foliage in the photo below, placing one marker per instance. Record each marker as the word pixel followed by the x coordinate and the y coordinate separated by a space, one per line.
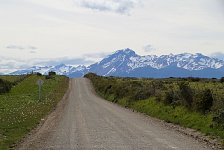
pixel 38 74
pixel 48 77
pixel 169 97
pixel 186 94
pixel 7 82
pixel 51 73
pixel 179 115
pixel 222 80
pixel 121 88
pixel 20 110
pixel 207 98
pixel 219 118
pixel 5 86
pixel 203 101
pixel 193 79
pixel 12 78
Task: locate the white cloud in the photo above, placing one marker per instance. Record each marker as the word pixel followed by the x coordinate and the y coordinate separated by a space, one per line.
pixel 148 48
pixel 118 6
pixel 20 47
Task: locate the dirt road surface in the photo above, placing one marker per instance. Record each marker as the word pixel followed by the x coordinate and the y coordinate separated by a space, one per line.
pixel 82 120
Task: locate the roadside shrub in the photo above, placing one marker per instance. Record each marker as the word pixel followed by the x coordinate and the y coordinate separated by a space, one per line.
pixel 207 99
pixel 218 103
pixel 192 79
pixel 169 97
pixel 193 93
pixel 90 75
pixel 219 118
pixel 51 73
pixel 140 94
pixel 5 86
pixel 222 80
pixel 38 74
pixel 48 77
pixel 203 101
pixel 186 94
pixel 158 84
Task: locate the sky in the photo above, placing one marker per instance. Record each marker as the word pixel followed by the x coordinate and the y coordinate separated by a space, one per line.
pixel 81 32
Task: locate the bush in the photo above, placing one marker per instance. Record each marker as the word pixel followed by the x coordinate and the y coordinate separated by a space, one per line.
pixel 203 101
pixel 169 97
pixel 5 86
pixel 207 98
pixel 192 79
pixel 222 80
pixel 48 77
pixel 51 73
pixel 219 118
pixel 38 74
pixel 186 94
pixel 178 91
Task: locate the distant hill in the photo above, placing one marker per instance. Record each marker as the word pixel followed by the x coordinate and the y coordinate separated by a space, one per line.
pixel 126 63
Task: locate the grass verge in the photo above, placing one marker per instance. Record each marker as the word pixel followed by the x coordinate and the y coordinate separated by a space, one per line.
pixel 21 111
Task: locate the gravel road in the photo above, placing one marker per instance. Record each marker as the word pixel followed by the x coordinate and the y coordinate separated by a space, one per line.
pixel 82 120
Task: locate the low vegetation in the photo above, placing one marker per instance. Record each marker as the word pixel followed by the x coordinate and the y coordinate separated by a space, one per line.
pixel 20 108
pixel 190 102
pixel 7 82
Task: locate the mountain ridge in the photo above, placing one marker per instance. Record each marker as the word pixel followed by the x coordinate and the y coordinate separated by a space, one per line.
pixel 127 63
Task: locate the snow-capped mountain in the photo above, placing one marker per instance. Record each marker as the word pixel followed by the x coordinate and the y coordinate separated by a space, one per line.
pixel 127 63
pixel 61 69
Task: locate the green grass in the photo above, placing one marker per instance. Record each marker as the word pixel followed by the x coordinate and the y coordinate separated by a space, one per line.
pixel 20 109
pixel 12 78
pixel 178 115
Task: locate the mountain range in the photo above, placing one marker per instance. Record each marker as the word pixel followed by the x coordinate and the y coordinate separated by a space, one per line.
pixel 126 63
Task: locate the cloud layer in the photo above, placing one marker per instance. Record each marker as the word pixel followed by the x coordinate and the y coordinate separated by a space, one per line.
pixel 148 48
pixel 10 64
pixel 118 6
pixel 19 47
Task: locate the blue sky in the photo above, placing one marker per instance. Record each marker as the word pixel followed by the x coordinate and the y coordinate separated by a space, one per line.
pixel 47 32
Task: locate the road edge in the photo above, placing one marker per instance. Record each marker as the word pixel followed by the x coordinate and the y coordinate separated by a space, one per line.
pixel 28 138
